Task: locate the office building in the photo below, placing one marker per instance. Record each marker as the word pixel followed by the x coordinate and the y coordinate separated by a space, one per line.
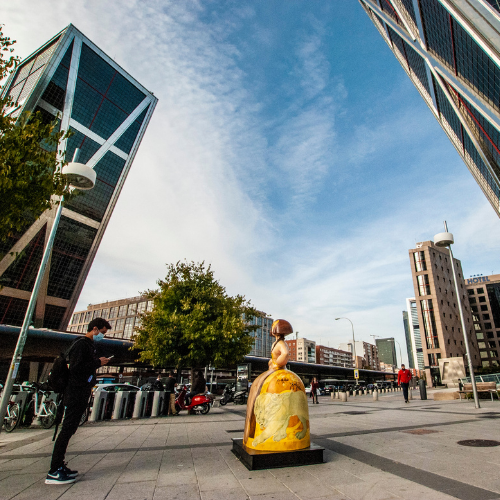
pixel 366 354
pixel 333 357
pixel 302 350
pixel 123 315
pixel 409 350
pixel 484 299
pixel 263 339
pixel 108 112
pixel 450 49
pixel 387 351
pixel 437 309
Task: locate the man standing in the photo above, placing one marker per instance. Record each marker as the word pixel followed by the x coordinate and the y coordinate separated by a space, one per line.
pixel 170 394
pixel 82 363
pixel 404 378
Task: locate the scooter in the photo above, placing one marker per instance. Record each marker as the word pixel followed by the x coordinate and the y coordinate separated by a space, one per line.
pixel 199 403
pixel 230 394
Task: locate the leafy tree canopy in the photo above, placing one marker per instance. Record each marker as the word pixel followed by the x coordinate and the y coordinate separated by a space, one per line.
pixel 194 322
pixel 30 175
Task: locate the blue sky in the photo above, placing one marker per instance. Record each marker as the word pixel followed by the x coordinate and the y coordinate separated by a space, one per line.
pixel 288 149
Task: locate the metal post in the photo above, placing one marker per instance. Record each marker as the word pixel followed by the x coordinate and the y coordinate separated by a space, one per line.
pixel 16 358
pixel 464 328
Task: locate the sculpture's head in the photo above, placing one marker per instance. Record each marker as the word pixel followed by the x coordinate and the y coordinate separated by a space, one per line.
pixel 281 328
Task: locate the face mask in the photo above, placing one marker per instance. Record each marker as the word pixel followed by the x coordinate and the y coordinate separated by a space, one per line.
pixel 99 336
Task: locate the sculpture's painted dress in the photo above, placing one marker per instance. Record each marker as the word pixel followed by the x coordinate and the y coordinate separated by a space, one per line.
pixel 277 410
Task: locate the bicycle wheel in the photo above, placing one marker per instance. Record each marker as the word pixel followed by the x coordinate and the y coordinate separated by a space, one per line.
pixel 84 417
pixel 11 420
pixel 47 421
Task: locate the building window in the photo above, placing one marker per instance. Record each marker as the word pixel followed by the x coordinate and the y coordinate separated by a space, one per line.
pixel 97 314
pixel 484 307
pixel 113 312
pixel 122 311
pixel 120 323
pixel 419 259
pixel 141 307
pixel 486 316
pixel 423 285
pixel 480 290
pixel 487 326
pixel 105 314
pixel 482 299
pixel 150 305
pixel 132 309
pixel 429 324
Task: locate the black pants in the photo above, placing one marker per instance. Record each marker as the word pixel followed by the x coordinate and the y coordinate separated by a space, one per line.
pixel 75 402
pixel 405 390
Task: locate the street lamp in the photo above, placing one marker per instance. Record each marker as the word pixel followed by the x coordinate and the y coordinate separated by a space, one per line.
pixel 353 341
pixel 78 176
pixel 445 240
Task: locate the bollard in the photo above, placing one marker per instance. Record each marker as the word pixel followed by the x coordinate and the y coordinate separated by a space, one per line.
pixel 98 406
pixel 375 395
pixel 157 403
pixel 343 397
pixel 332 395
pixel 410 396
pixel 423 390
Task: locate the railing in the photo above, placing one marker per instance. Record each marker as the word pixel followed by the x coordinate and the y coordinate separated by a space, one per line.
pixel 491 377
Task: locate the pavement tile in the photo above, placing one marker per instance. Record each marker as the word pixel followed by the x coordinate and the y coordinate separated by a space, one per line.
pixel 225 494
pixel 179 492
pixel 16 483
pixel 279 495
pixel 141 490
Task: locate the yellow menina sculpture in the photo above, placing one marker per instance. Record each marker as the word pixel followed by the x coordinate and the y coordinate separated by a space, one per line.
pixel 277 411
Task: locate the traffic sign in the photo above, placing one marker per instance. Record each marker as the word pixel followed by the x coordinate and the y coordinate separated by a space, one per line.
pixel 356 374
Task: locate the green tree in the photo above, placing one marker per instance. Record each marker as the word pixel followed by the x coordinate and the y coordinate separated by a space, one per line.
pixel 194 322
pixel 30 165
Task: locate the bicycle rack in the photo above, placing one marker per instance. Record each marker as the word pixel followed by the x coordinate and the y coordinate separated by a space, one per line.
pixel 158 403
pixel 121 404
pixel 141 398
pixel 98 406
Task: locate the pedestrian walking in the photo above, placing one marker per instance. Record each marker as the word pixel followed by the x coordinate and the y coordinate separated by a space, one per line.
pixel 82 363
pixel 404 378
pixel 314 390
pixel 170 385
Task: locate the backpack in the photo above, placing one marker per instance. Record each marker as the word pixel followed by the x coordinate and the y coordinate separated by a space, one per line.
pixel 59 375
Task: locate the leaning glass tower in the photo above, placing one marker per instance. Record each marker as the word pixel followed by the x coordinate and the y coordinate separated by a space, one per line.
pixel 108 112
pixel 450 49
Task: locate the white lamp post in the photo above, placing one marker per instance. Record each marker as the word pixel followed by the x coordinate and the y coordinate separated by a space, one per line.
pixel 353 341
pixel 78 176
pixel 445 240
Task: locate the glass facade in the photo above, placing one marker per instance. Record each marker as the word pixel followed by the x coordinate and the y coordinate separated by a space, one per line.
pixel 462 61
pixel 419 260
pixel 106 104
pixel 429 323
pixel 423 284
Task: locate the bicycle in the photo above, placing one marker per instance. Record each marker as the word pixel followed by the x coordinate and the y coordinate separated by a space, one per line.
pixel 45 411
pixel 11 419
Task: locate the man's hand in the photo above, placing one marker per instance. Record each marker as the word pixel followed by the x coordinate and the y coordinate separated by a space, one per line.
pixel 104 361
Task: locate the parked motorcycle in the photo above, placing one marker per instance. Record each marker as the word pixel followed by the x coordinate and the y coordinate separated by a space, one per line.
pixel 229 394
pixel 200 403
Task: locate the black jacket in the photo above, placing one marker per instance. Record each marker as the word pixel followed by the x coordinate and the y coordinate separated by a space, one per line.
pixel 83 363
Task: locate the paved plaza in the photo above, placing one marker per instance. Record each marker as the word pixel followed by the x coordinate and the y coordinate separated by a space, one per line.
pixel 374 451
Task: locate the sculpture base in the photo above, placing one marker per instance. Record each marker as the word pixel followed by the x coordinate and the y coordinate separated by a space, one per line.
pixel 258 460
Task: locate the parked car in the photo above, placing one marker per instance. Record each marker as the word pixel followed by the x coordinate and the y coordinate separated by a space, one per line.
pixel 115 387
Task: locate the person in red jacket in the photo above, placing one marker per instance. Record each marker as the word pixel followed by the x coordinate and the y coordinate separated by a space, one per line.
pixel 404 378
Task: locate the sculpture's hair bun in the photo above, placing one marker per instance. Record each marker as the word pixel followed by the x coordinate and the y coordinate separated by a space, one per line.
pixel 281 327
